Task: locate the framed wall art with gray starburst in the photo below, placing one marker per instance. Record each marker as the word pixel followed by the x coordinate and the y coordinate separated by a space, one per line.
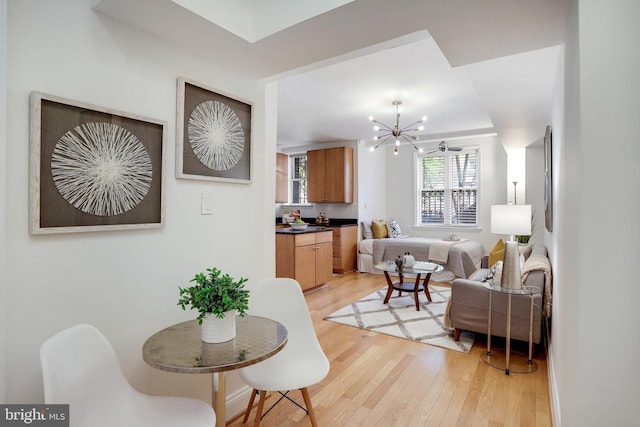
pixel 93 169
pixel 213 135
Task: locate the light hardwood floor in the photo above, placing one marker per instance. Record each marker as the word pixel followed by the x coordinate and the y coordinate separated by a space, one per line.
pixel 379 380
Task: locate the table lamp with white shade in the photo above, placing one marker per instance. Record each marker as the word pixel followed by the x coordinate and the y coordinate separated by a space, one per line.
pixel 512 220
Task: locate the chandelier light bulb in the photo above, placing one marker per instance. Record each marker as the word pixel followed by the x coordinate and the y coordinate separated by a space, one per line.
pixel 376 128
pixel 424 118
pixel 397 142
pixel 371 118
pixel 375 138
pixel 420 127
pixel 372 149
pixel 420 150
pixel 395 151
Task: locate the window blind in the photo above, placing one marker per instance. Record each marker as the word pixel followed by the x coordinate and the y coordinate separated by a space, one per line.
pixel 448 188
pixel 298 178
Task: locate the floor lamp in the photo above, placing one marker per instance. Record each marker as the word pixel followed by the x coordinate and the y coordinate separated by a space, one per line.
pixel 512 220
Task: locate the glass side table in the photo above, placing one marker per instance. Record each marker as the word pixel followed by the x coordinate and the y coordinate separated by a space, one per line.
pixel 504 363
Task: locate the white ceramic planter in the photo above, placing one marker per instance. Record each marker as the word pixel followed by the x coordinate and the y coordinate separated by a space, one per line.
pixel 215 330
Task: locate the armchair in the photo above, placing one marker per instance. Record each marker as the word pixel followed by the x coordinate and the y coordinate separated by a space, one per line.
pixel 469 304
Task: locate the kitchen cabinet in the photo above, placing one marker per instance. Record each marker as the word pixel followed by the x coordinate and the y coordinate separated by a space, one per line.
pixel 345 241
pixel 330 175
pixel 306 257
pixel 282 178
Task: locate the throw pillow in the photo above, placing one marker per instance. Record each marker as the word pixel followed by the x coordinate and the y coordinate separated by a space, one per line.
pixel 497 275
pixel 490 273
pixel 379 229
pixel 497 253
pixel 394 229
pixel 367 231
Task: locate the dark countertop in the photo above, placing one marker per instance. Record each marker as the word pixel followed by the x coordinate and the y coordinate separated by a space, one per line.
pixel 309 229
pixel 333 222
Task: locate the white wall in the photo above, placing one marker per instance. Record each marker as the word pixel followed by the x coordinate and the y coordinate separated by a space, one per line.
pixel 372 183
pixel 401 188
pixel 124 282
pixel 3 183
pixel 593 357
pixel 535 189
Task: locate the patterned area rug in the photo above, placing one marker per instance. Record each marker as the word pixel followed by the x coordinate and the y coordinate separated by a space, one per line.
pixel 401 319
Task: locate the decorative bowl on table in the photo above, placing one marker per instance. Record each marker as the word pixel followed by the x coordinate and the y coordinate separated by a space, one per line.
pixel 299 227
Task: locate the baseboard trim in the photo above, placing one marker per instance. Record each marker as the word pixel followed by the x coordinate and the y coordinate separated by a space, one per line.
pixel 237 402
pixel 553 388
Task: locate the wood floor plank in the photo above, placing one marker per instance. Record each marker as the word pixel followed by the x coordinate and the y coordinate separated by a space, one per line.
pixel 380 380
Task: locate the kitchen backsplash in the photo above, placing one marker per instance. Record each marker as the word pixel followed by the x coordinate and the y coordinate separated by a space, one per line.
pixel 330 210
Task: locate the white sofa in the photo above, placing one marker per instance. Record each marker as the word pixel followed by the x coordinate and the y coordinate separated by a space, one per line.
pixel 461 258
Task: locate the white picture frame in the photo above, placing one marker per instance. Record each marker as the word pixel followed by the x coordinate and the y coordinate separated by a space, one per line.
pixel 93 168
pixel 213 134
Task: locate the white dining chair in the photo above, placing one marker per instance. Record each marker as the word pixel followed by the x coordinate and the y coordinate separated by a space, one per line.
pixel 80 368
pixel 301 363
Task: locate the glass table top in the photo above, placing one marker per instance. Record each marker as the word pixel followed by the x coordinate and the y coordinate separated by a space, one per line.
pixel 526 290
pixel 420 267
pixel 179 348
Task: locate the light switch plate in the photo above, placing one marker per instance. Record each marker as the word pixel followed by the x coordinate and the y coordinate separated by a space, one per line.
pixel 207 204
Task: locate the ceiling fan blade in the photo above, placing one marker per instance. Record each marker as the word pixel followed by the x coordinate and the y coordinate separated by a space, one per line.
pixel 454 148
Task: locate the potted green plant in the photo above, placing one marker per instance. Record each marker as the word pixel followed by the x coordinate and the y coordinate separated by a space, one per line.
pixel 218 298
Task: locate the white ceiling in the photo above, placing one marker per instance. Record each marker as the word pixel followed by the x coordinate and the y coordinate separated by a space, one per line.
pixel 471 66
pixel 254 20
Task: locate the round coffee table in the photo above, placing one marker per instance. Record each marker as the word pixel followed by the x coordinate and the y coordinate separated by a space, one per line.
pixel 420 268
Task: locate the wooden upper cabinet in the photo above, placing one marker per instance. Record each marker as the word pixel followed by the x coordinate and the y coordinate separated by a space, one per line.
pixel 282 178
pixel 330 175
pixel 315 175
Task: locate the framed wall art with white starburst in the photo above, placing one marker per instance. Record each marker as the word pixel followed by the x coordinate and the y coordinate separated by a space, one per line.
pixel 93 169
pixel 213 135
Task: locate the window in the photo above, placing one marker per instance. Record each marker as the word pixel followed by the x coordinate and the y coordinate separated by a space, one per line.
pixel 448 188
pixel 298 164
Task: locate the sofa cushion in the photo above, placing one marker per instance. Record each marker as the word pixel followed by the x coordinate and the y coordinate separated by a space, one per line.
pixel 394 229
pixel 479 275
pixel 367 231
pixel 497 253
pixel 379 230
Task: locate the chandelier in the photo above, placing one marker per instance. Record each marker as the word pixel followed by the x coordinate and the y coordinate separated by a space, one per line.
pixel 396 132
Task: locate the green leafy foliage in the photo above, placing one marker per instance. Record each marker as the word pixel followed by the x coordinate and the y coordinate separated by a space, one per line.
pixel 215 293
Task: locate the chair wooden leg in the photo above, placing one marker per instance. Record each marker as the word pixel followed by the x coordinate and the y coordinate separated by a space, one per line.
pixel 456 334
pixel 249 406
pixel 307 402
pixel 263 396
